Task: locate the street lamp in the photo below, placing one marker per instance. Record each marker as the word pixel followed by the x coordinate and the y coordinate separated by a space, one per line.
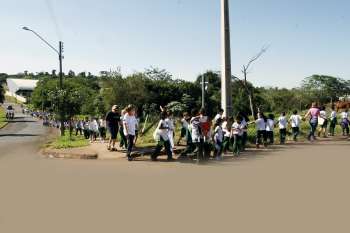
pixel 60 57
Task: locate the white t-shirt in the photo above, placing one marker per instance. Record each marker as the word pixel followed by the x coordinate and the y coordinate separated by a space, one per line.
pixel 163 132
pixel 93 126
pixel 219 135
pixel 244 126
pixel 218 116
pixel 170 124
pixel 270 125
pixel 195 129
pixel 260 124
pixel 333 115
pixel 184 123
pixel 130 122
pixel 323 114
pixel 225 129
pixel 237 129
pixel 282 122
pixel 295 120
pixel 344 115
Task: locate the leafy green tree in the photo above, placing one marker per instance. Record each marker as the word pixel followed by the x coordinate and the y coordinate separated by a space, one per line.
pixel 2 94
pixel 325 88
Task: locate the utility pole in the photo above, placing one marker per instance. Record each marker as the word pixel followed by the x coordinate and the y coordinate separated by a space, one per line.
pixel 203 92
pixel 60 57
pixel 61 100
pixel 204 87
pixel 226 95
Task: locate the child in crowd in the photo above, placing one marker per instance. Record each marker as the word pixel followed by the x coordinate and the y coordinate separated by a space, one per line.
pixel 345 122
pixel 218 139
pixel 184 127
pixel 102 128
pixel 295 121
pixel 137 128
pixel 261 130
pixel 197 134
pixel 129 128
pixel 78 127
pixel 162 137
pixel 205 125
pixel 322 122
pixel 86 129
pixel 333 122
pixel 123 140
pixel 190 147
pixel 270 127
pixel 93 128
pixel 227 135
pixel 282 124
pixel 171 129
pixel 237 133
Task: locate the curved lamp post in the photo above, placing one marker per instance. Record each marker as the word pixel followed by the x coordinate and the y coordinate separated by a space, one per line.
pixel 59 52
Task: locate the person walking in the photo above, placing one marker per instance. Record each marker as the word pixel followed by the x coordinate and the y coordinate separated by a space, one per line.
pixel 218 139
pixel 261 130
pixel 184 127
pixel 112 122
pixel 123 140
pixel 102 129
pixel 323 122
pixel 282 124
pixel 313 115
pixel 129 129
pixel 171 129
pixel 270 127
pixel 93 127
pixel 197 134
pixel 162 137
pixel 295 121
pixel 237 133
pixel 345 122
pixel 333 122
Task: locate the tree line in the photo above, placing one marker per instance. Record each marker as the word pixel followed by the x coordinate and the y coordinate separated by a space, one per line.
pixel 87 94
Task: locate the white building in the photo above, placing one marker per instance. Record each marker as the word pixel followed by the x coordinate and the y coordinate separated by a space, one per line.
pixel 21 88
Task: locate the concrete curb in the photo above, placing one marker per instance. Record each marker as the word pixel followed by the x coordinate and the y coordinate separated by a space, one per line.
pixel 59 154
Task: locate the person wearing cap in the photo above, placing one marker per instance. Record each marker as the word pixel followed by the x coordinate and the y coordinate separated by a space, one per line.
pixel 112 122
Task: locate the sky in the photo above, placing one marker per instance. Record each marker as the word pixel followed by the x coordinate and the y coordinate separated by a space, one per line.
pixel 305 37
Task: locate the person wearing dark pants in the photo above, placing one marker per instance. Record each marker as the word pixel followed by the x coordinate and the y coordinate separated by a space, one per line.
pixel 261 130
pixel 161 136
pixel 283 135
pixel 282 123
pixel 295 121
pixel 112 123
pixel 313 113
pixel 123 139
pixel 333 122
pixel 295 132
pixel 129 123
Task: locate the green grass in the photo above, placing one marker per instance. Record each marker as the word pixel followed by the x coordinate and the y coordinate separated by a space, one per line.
pixel 2 117
pixel 65 142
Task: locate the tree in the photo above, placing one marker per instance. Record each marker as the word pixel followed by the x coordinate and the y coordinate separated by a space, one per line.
pixel 325 88
pixel 2 94
pixel 245 71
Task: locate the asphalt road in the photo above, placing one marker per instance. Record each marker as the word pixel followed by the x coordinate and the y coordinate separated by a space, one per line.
pixel 301 188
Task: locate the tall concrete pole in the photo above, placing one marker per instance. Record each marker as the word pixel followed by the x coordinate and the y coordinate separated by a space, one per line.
pixel 226 95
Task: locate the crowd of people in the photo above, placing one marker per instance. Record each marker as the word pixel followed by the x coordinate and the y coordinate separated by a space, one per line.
pixel 205 138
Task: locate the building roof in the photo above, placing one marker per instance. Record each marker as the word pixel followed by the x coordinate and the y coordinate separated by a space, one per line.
pixel 15 85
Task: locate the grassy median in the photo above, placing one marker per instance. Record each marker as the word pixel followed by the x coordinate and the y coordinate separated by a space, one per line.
pixel 67 141
pixel 3 121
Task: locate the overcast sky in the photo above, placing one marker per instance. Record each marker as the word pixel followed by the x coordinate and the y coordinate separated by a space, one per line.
pixel 183 36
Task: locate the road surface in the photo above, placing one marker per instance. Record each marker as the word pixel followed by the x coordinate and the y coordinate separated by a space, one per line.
pixel 301 188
